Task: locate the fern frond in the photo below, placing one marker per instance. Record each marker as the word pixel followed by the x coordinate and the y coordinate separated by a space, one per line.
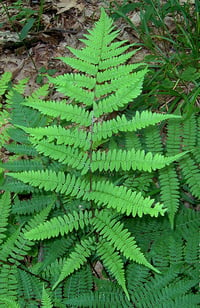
pixel 13 185
pixel 15 251
pixel 113 263
pixel 38 93
pixel 192 174
pixel 170 191
pixel 22 149
pixel 189 133
pixel 8 303
pixel 79 283
pixel 46 299
pixel 29 289
pixel 132 140
pixel 116 72
pixel 123 200
pixel 121 124
pixel 120 238
pixel 173 141
pixel 60 225
pixel 132 159
pixel 122 96
pixel 56 249
pixel 77 258
pixel 153 140
pixel 19 88
pixel 22 164
pixel 66 155
pixel 80 65
pixel 100 299
pixel 61 109
pixel 4 80
pixel 5 205
pixel 51 181
pixel 8 282
pixel 35 204
pixel 76 137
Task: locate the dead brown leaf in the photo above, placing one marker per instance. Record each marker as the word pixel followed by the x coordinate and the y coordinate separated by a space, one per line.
pixel 65 5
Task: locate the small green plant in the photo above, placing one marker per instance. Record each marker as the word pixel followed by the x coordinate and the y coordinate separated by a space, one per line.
pixel 81 188
pixel 174 51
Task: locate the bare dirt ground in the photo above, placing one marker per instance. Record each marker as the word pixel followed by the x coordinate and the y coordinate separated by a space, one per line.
pixel 62 24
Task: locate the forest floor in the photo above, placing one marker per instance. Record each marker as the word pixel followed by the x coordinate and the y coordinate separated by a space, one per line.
pixel 60 24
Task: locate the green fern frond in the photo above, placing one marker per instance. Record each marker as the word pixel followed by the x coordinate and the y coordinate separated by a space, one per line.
pixel 37 94
pixel 37 202
pixel 113 263
pixel 192 175
pixel 46 299
pixel 121 124
pixel 189 133
pixel 100 299
pixel 55 249
pixel 61 109
pixel 22 164
pixel 9 245
pixel 173 141
pixel 132 159
pixel 60 225
pixel 51 181
pixel 21 149
pixel 8 282
pixel 29 289
pixel 9 303
pixel 79 283
pixel 170 195
pixel 17 246
pixel 120 238
pixel 19 88
pixel 153 140
pixel 77 258
pixel 76 137
pixel 52 270
pixel 123 200
pixel 132 140
pixel 13 185
pixel 5 205
pixel 66 155
pixel 4 80
pixel 122 96
pixel 117 72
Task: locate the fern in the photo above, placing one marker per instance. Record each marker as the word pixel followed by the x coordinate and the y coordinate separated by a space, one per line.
pixel 91 184
pixel 46 300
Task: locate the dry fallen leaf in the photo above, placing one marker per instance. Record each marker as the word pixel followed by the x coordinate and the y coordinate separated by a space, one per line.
pixel 66 5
